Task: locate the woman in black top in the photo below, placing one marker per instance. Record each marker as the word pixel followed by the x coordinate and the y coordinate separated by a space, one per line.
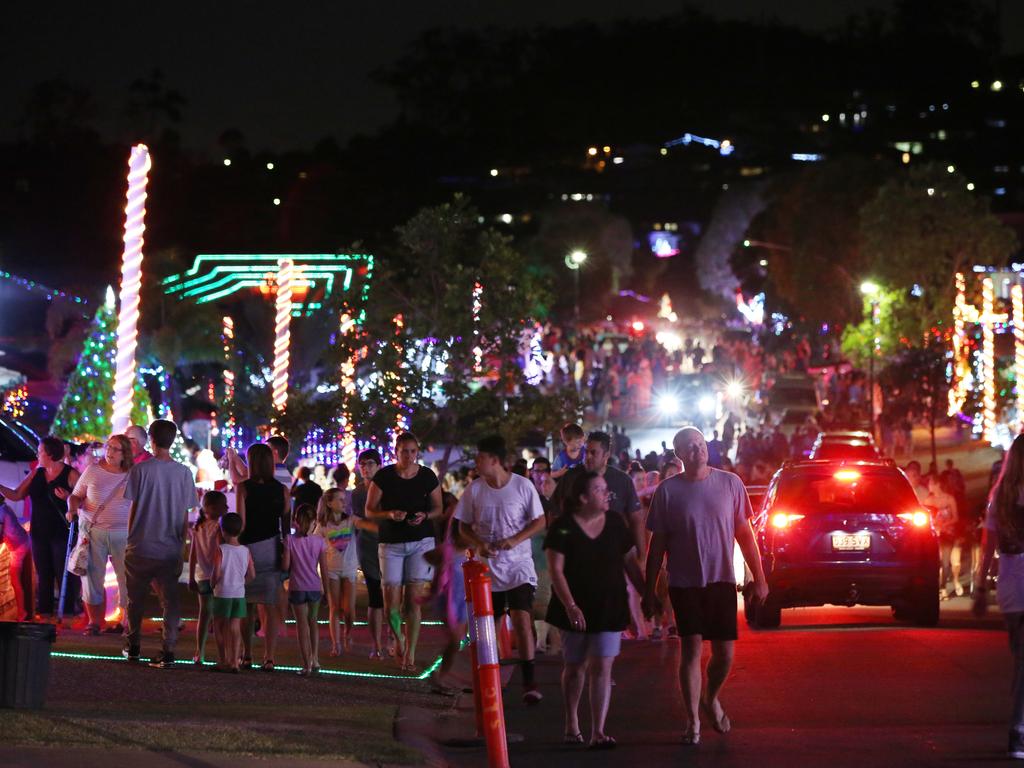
pixel 404 499
pixel 48 488
pixel 589 553
pixel 262 504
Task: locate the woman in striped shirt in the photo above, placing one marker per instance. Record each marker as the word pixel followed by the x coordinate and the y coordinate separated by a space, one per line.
pixel 99 500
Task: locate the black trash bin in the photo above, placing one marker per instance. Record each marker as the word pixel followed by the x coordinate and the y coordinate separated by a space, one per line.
pixel 24 663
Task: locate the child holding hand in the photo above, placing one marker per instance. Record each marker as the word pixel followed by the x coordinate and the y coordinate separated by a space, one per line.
pixel 206 539
pixel 305 560
pixel 335 524
pixel 232 568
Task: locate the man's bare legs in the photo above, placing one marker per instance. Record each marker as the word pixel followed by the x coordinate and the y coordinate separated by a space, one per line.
pixel 718 671
pixel 689 682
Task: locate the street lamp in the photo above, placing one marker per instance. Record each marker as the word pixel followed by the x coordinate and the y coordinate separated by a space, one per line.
pixel 574 261
pixel 871 290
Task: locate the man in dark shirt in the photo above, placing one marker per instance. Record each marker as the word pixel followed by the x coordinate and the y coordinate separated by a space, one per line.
pixel 622 496
pixel 305 491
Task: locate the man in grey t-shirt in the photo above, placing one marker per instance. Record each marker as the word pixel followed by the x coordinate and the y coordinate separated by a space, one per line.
pixel 162 492
pixel 695 517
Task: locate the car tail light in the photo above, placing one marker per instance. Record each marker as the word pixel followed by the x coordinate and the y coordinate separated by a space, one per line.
pixel 918 518
pixel 782 520
pixel 847 475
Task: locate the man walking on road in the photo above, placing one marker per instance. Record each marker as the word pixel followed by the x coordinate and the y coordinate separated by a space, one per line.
pixel 695 516
pixel 162 493
pixel 498 514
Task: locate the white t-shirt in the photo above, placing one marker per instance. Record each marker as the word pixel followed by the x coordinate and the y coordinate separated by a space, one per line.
pixel 496 514
pixel 97 485
pixel 700 518
pixel 234 565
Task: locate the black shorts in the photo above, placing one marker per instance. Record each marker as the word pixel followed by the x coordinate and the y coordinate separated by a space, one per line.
pixel 516 599
pixel 706 611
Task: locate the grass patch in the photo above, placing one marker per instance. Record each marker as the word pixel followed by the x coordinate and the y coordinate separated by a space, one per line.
pixel 362 733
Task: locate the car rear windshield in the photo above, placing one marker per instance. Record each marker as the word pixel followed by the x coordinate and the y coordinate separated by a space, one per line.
pixel 805 493
pixel 845 451
pixel 792 396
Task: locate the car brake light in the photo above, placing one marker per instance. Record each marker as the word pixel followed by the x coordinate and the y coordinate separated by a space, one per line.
pixel 784 519
pixel 847 475
pixel 918 519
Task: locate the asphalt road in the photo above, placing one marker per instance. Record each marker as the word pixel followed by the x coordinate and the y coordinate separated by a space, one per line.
pixel 834 686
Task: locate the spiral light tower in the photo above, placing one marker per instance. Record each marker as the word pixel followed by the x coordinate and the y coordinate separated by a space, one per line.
pixel 282 335
pixel 131 282
pixel 988 359
pixel 1017 297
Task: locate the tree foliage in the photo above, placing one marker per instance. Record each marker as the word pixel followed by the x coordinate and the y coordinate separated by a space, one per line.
pixel 814 244
pixel 424 369
pixel 85 411
pixel 920 230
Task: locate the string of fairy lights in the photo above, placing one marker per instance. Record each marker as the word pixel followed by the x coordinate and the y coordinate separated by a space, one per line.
pixel 961 371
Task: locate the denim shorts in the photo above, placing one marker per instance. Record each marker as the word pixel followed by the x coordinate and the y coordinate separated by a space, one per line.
pixel 578 646
pixel 300 596
pixel 404 563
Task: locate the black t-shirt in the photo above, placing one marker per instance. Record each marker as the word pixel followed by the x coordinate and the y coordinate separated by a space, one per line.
pixel 412 495
pixel 48 511
pixel 307 493
pixel 594 570
pixel 264 505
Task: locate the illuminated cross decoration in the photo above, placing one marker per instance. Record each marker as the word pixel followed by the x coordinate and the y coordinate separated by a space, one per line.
pixel 987 318
pixel 217 276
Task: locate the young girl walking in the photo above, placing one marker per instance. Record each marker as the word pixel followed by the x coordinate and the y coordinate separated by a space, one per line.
pixel 305 560
pixel 232 568
pixel 335 524
pixel 448 595
pixel 206 538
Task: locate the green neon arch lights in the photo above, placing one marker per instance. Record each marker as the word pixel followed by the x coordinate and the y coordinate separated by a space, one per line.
pixel 214 276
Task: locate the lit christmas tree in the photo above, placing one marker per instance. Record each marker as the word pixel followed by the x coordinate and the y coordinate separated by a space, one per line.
pixel 84 413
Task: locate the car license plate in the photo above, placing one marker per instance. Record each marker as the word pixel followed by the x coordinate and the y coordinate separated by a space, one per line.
pixel 851 542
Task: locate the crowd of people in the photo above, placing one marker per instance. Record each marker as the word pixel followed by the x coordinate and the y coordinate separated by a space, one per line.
pixel 565 543
pixel 585 550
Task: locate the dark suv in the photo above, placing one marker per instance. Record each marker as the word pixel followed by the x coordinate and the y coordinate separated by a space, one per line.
pixel 844 533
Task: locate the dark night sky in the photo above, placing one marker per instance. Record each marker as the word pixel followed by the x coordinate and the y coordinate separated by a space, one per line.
pixel 287 74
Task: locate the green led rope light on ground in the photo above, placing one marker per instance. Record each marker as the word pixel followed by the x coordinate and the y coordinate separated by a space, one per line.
pixel 320 621
pixel 335 672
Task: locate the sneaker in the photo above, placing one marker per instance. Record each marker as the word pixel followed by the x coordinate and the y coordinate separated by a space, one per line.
pixel 164 660
pixel 131 652
pixel 532 695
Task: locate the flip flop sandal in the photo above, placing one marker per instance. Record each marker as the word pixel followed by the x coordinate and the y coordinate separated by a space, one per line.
pixel 720 724
pixel 573 738
pixel 607 742
pixel 691 737
pixel 246 663
pixel 268 665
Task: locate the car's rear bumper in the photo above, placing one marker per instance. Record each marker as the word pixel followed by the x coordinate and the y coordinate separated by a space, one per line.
pixel 844 583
